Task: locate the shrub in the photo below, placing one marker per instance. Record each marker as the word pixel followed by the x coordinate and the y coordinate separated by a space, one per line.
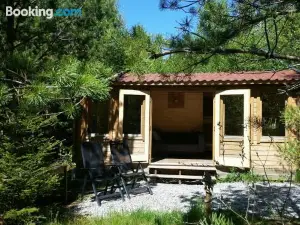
pixel 235 176
pixel 28 160
pixel 290 150
pixel 23 216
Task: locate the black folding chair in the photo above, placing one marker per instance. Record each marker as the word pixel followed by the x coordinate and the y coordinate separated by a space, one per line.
pixel 120 155
pixel 97 172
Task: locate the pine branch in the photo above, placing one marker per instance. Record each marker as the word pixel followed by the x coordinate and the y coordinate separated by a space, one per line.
pixel 229 51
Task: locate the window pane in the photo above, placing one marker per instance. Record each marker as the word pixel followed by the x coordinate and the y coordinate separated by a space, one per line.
pixel 98 122
pixel 272 106
pixel 132 114
pixel 234 114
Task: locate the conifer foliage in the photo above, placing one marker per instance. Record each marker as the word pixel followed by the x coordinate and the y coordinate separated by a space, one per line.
pixel 47 67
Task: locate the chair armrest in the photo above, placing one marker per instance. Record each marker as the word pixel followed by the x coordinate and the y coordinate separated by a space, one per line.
pixel 84 172
pixel 85 169
pixel 115 167
pixel 115 164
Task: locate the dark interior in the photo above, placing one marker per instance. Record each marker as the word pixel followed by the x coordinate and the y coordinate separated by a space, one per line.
pixel 191 145
pixel 179 145
pixel 180 138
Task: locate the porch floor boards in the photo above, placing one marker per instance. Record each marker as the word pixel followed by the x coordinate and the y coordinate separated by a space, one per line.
pixel 183 162
pixel 181 177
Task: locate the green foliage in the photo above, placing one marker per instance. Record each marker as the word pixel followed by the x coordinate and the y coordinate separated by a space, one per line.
pixel 235 36
pixel 23 216
pixel 47 68
pixel 138 217
pixel 219 219
pixel 5 95
pixel 195 215
pixel 196 212
pixel 27 163
pixel 291 116
pixel 289 151
pixel 235 176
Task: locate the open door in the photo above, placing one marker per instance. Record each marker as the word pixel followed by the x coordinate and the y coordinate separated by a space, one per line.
pixel 231 128
pixel 134 122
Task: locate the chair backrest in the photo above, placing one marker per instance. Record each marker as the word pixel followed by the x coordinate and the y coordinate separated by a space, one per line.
pixel 93 158
pixel 120 154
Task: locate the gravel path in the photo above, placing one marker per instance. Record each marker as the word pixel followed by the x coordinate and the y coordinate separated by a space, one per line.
pixel 169 197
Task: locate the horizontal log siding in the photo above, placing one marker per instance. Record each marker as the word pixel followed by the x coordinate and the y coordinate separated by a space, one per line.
pixel 186 119
pixel 264 155
pixel 136 145
pixel 231 148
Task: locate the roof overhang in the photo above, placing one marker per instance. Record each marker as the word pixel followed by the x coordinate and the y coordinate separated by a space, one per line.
pixel 209 79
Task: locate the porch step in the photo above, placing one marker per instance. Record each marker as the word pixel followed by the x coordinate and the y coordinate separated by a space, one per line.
pixel 173 170
pixel 167 167
pixel 173 176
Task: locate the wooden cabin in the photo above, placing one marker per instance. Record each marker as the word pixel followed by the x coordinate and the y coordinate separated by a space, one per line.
pixel 196 121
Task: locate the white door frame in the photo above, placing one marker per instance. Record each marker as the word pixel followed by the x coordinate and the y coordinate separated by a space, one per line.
pixel 241 161
pixel 143 156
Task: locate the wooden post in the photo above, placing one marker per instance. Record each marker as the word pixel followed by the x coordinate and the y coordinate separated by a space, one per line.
pixel 80 129
pixel 290 133
pixel 143 119
pixel 113 115
pixel 150 132
pixel 208 186
pixel 213 131
pixel 259 116
pixel 251 120
pixel 179 181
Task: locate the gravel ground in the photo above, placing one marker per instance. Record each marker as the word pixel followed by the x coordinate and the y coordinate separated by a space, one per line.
pixel 263 200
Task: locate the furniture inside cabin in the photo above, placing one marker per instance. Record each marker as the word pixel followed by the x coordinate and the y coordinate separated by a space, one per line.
pixel 177 143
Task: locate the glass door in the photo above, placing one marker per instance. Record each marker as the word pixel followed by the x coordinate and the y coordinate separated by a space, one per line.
pixel 134 122
pixel 231 128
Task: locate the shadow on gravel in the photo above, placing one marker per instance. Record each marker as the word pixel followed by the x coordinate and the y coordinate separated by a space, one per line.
pixel 260 201
pixel 139 189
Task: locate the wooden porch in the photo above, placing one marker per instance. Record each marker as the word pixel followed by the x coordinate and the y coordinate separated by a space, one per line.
pixel 180 169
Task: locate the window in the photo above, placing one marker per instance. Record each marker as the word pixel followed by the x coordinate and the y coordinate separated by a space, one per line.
pixel 98 117
pixel 133 112
pixel 272 106
pixel 233 107
pixel 176 100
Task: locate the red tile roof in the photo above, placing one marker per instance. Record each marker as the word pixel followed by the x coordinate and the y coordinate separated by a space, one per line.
pixel 222 78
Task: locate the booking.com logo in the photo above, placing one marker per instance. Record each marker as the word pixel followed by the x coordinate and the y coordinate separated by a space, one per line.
pixel 48 13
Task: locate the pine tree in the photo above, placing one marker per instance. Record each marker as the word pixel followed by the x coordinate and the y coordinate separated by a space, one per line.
pixel 47 67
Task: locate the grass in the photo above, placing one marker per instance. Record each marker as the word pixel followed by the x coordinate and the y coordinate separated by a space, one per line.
pixel 195 215
pixel 141 217
pixel 249 177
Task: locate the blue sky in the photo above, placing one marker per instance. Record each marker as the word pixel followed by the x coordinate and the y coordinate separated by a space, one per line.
pixel 148 14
